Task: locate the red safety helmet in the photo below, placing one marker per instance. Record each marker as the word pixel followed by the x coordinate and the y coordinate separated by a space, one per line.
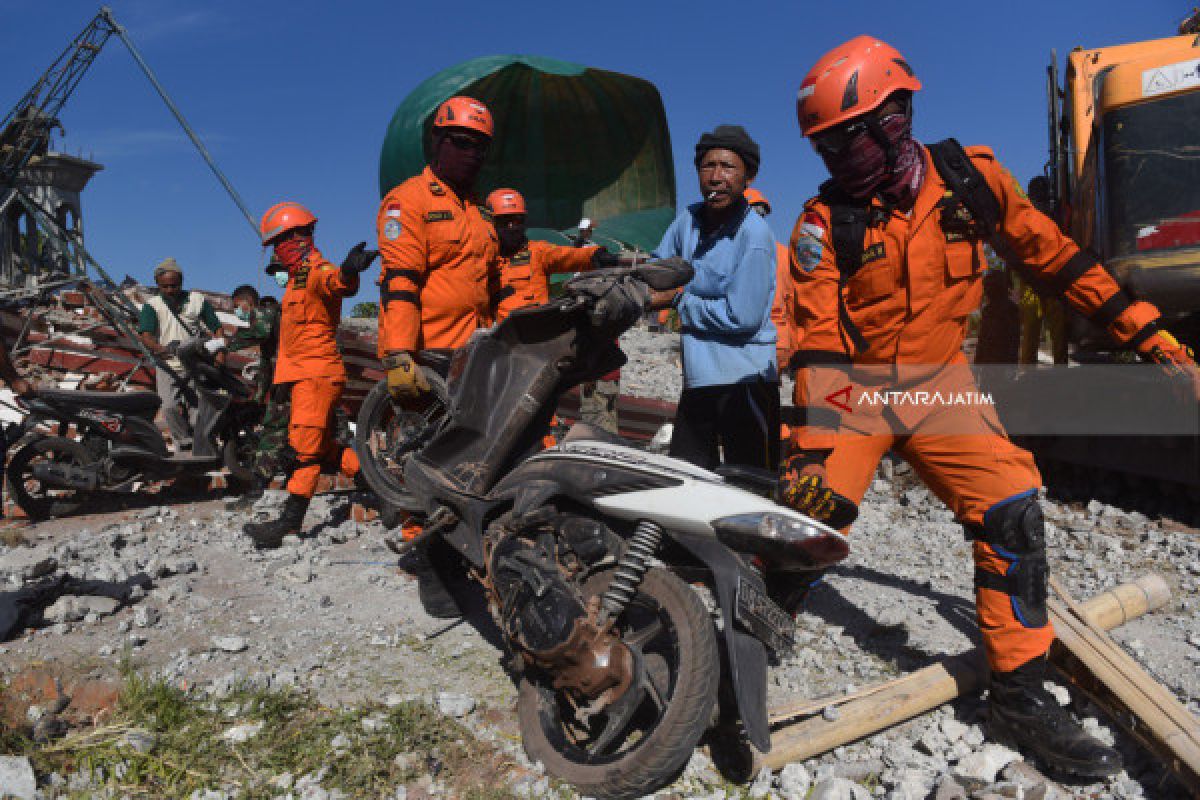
pixel 465 112
pixel 283 217
pixel 506 201
pixel 850 80
pixel 756 198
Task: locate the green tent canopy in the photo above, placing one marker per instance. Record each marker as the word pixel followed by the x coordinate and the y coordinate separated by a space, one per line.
pixel 575 141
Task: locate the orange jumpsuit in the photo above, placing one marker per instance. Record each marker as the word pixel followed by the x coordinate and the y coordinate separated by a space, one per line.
pixel 910 299
pixel 309 360
pixel 439 259
pixel 525 276
pixel 781 308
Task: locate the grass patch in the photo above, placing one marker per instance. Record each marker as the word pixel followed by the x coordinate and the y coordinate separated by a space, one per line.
pixel 180 747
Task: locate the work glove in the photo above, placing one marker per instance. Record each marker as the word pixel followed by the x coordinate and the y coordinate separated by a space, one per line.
pixel 1164 349
pixel 405 381
pixel 602 259
pixel 357 260
pixel 803 486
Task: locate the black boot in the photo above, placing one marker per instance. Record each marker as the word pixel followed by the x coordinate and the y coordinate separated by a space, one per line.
pixel 432 590
pixel 790 589
pixel 1025 714
pixel 269 535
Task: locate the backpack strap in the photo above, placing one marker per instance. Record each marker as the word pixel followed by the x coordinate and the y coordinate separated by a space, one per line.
pixel 967 184
pixel 848 228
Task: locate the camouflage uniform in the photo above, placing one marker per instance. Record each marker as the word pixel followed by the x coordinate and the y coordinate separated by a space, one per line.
pixel 270 457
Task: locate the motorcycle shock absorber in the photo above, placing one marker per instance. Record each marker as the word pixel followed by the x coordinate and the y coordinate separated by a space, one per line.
pixel 631 568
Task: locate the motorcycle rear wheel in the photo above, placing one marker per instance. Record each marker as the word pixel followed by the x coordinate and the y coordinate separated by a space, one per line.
pixel 388 431
pixel 675 633
pixel 38 500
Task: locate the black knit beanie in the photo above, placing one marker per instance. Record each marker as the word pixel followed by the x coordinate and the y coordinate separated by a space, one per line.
pixel 730 137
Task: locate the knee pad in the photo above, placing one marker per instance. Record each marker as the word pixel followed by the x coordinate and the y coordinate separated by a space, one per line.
pixel 1016 531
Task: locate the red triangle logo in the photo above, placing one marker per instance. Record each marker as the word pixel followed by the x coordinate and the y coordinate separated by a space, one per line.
pixel 844 394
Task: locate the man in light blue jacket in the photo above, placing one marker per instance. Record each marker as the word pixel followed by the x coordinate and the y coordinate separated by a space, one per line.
pixel 730 400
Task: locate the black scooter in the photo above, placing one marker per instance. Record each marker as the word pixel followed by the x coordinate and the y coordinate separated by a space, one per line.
pixel 587 550
pixel 115 444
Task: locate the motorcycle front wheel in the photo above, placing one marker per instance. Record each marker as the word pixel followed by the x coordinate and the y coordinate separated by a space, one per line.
pixel 388 431
pixel 670 627
pixel 40 500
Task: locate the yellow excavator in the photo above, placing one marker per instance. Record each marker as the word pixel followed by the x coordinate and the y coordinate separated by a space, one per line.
pixel 1124 182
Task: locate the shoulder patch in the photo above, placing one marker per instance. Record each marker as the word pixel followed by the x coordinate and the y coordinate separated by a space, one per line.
pixel 438 216
pixel 392 209
pixel 1020 190
pixel 391 229
pixel 436 189
pixel 810 245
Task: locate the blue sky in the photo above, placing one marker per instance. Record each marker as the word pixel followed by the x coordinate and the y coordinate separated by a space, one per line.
pixel 293 99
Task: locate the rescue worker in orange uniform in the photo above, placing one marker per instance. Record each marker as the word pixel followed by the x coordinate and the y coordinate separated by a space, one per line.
pixel 886 264
pixel 309 362
pixel 781 307
pixel 439 255
pixel 438 250
pixel 525 267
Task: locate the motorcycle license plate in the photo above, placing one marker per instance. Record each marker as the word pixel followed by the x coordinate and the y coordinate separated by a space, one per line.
pixel 761 616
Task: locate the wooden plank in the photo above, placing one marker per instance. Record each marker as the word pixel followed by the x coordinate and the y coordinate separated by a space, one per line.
pixel 802 732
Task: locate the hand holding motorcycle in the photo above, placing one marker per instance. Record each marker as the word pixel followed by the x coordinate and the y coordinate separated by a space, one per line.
pixel 803 486
pixel 405 381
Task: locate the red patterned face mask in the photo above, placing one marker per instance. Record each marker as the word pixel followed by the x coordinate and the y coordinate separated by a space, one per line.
pixel 861 169
pixel 292 252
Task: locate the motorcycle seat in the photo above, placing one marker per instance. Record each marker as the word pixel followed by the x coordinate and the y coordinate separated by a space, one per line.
pixel 120 402
pixel 437 360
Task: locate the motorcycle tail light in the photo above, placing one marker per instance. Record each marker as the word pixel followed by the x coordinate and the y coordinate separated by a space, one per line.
pixel 782 539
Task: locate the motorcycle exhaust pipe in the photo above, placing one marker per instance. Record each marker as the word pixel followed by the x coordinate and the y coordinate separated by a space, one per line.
pixel 66 476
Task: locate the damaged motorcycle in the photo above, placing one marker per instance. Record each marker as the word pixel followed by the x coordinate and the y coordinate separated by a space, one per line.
pixel 596 557
pixel 108 442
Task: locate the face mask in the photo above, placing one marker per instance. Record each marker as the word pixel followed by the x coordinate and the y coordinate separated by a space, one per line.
pixel 281 278
pixel 862 170
pixel 292 252
pixel 511 239
pixel 242 314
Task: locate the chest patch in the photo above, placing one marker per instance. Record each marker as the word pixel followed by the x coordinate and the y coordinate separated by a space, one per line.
pixel 520 259
pixel 439 216
pixel 873 252
pixel 300 279
pixel 436 190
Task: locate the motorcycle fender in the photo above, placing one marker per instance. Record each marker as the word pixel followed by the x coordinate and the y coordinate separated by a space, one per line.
pixel 747 656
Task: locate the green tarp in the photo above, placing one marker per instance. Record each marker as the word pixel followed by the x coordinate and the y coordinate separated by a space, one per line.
pixel 575 141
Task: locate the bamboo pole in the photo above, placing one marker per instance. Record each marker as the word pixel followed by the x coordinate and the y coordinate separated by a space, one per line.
pixel 872 709
pixel 1145 708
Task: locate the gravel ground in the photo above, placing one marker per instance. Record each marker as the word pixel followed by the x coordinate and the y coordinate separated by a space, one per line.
pixel 330 612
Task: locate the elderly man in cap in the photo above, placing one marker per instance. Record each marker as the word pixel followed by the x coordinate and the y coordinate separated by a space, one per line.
pixel 171 317
pixel 729 409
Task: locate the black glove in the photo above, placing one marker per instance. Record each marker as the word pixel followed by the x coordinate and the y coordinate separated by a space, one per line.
pixel 358 259
pixel 602 258
pixel 621 305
